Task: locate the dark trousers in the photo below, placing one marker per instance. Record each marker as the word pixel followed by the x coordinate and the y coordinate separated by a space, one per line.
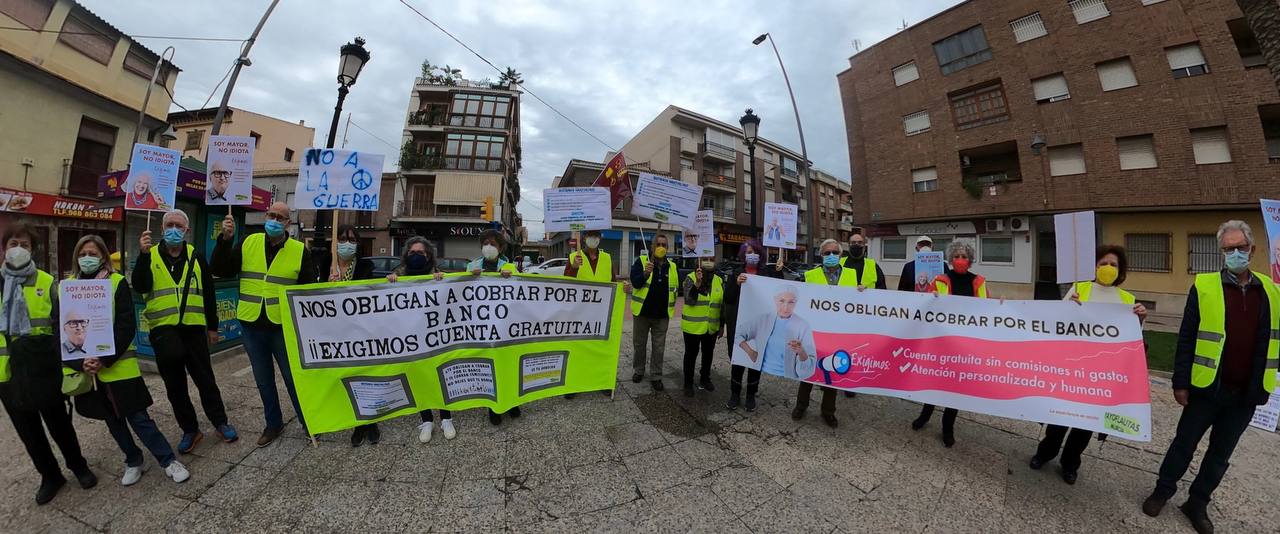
pixel 828 398
pixel 1077 442
pixel 426 415
pixel 948 417
pixel 146 430
pixel 1228 415
pixel 267 352
pixel 182 351
pixel 32 433
pixel 736 371
pixel 694 343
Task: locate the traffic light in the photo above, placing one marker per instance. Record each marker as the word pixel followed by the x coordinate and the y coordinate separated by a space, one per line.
pixel 486 212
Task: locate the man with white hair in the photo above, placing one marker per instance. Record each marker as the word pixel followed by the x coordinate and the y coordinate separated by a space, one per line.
pixel 219 181
pixel 182 313
pixel 1224 366
pixel 831 273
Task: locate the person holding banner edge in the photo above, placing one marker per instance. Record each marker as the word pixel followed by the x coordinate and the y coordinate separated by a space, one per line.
pixel 183 318
pixel 491 261
pixel 869 273
pixel 417 259
pixel 701 322
pixel 30 375
pixel 831 272
pixel 120 396
pixel 351 266
pixel 1224 366
pixel 265 262
pixel 590 263
pixel 1112 268
pixel 652 310
pixel 750 254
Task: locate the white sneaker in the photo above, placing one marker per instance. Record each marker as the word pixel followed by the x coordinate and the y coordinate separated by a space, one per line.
pixel 446 425
pixel 177 472
pixel 133 474
pixel 424 431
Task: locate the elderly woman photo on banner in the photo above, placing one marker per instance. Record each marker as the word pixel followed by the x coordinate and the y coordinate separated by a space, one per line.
pixel 776 341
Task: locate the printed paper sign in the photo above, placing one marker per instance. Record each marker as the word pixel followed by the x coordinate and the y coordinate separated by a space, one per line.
pixel 541 371
pixel 928 266
pixel 338 179
pixel 1077 245
pixel 1082 366
pixel 468 379
pixel 85 312
pixel 699 240
pixel 780 225
pixel 372 397
pixel 568 209
pixel 229 171
pixel 153 178
pixel 1267 415
pixel 666 200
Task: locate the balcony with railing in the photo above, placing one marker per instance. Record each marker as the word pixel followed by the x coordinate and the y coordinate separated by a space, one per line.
pixel 727 183
pixel 431 116
pixel 426 208
pixel 728 214
pixel 716 150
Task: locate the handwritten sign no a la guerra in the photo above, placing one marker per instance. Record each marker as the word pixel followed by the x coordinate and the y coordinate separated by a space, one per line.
pixel 338 179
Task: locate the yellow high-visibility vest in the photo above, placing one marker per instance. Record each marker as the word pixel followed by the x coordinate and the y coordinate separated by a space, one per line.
pixel 869 277
pixel 261 283
pixel 817 275
pixel 166 295
pixel 126 366
pixel 38 291
pixel 639 293
pixel 603 271
pixel 1211 336
pixel 942 285
pixel 1084 289
pixel 702 315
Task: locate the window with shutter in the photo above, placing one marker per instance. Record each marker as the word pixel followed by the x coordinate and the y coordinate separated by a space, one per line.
pixel 1203 255
pixel 1136 152
pixel 1148 252
pixel 1050 88
pixel 1116 74
pixel 1088 10
pixel 87 40
pixel 30 13
pixel 1066 160
pixel 1186 60
pixel 924 180
pixel 917 122
pixel 981 106
pixel 1209 145
pixel 1028 28
pixel 904 74
pixel 962 50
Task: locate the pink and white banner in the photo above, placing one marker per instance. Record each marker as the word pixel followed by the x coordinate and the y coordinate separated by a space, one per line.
pixel 1078 365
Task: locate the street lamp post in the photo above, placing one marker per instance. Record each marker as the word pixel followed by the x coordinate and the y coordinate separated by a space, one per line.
pixel 750 132
pixel 353 58
pixel 804 152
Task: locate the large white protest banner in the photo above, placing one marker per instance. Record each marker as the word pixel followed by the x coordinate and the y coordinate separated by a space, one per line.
pixel 699 240
pixel 338 179
pixel 569 209
pixel 1082 366
pixel 85 312
pixel 1076 243
pixel 665 200
pixel 153 178
pixel 780 225
pixel 1267 416
pixel 229 171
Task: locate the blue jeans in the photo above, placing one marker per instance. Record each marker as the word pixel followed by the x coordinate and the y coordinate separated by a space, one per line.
pixel 266 351
pixel 146 430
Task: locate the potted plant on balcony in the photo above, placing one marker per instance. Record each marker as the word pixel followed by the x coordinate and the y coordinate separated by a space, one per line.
pixel 410 158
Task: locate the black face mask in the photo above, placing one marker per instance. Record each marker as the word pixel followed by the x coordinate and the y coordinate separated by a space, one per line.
pixel 857 251
pixel 416 262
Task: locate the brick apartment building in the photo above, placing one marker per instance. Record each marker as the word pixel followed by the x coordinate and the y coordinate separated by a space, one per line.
pixel 983 120
pixel 832 211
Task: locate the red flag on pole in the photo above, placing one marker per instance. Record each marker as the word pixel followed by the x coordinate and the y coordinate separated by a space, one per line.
pixel 614 176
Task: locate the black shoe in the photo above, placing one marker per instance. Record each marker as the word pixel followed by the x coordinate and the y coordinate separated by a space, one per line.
pixel 87 479
pixel 570 396
pixel 850 394
pixel 1036 463
pixel 751 403
pixel 49 488
pixel 514 413
pixel 919 423
pixel 358 436
pixel 1199 516
pixel 830 420
pixel 1153 505
pixel 948 439
pixel 1069 476
pixel 495 418
pixel 688 390
pixel 375 435
pixel 657 385
pixel 798 413
pixel 636 378
pixel 707 385
pixel 733 401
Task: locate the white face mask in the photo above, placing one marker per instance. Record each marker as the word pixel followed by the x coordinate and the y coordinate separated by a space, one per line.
pixel 926 248
pixel 593 242
pixel 489 252
pixel 17 257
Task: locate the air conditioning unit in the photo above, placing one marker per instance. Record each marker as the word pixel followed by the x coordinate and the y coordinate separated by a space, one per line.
pixel 995 225
pixel 1020 224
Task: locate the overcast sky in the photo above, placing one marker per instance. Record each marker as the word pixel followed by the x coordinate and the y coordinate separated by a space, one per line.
pixel 611 66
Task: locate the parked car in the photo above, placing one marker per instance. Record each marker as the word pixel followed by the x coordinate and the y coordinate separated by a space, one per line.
pixel 384 265
pixel 794 270
pixel 452 265
pixel 554 266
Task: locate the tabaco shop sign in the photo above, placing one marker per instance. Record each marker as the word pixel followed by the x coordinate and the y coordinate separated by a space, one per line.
pixel 27 203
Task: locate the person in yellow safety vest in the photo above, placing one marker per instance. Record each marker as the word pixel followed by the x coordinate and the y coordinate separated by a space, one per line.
pixel 182 320
pixel 869 273
pixel 30 373
pixel 958 280
pixel 492 261
pixel 120 397
pixel 700 321
pixel 592 264
pixel 1224 366
pixel 265 262
pixel 654 287
pixel 1111 269
pixel 831 273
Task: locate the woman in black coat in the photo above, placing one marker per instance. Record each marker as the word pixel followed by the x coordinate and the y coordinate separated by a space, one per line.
pixel 753 257
pixel 122 400
pixel 351 266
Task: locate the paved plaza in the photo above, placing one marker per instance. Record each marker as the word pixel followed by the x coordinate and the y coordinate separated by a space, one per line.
pixel 641 462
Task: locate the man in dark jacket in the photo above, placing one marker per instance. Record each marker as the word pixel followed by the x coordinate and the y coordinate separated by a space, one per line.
pixel 1224 367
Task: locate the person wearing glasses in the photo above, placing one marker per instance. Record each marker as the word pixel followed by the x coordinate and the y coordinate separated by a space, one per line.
pixel 265 262
pixel 74 332
pixel 219 181
pixel 1224 366
pixel 830 273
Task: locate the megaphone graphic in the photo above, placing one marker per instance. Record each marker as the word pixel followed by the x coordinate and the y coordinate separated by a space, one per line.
pixel 838 362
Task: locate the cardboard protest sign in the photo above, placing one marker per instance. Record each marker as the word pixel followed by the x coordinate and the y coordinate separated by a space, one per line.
pixel 928 266
pixel 85 312
pixel 567 209
pixel 699 240
pixel 229 171
pixel 153 178
pixel 780 225
pixel 338 179
pixel 666 200
pixel 1076 243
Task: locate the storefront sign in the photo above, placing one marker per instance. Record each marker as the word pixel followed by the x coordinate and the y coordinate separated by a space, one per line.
pixel 730 238
pixel 938 228
pixel 26 203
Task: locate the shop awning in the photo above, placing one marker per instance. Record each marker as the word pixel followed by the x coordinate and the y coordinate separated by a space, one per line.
pixel 28 203
pixel 467 188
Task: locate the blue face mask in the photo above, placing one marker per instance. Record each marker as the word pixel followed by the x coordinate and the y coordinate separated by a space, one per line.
pixel 831 260
pixel 173 236
pixel 274 228
pixel 89 264
pixel 1237 261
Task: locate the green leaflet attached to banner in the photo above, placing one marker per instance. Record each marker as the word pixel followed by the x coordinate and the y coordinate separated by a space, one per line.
pixel 367 351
